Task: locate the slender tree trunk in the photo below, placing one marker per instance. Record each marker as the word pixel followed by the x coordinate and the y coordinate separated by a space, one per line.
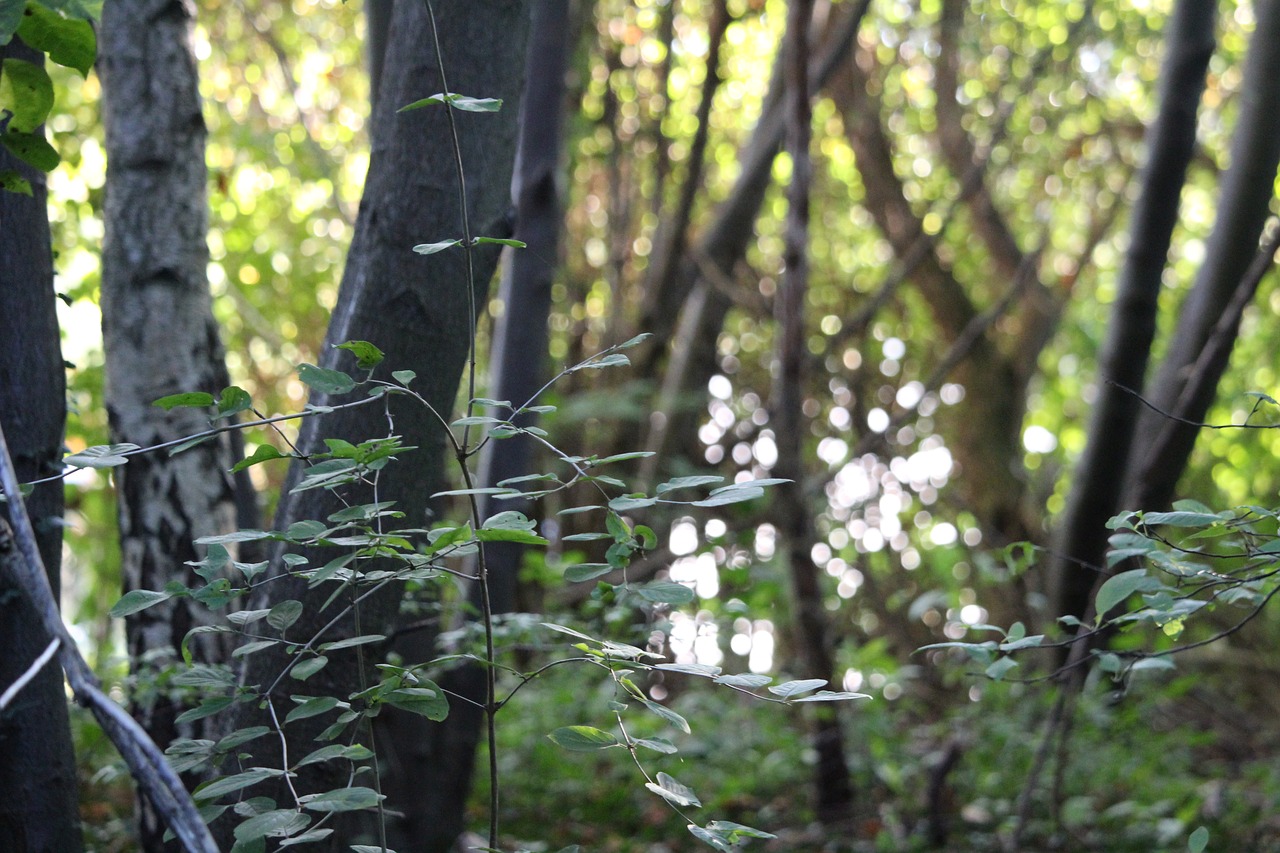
pixel 160 338
pixel 1247 193
pixel 1081 538
pixel 38 807
pixel 517 359
pixel 415 308
pixel 834 790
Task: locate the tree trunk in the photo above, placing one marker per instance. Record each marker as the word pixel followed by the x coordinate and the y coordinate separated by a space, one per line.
pixel 1081 539
pixel 38 807
pixel 160 338
pixel 415 308
pixel 517 359
pixel 833 788
pixel 1247 193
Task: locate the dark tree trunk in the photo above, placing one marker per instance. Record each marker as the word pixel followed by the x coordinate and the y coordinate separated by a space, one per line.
pixel 38 807
pixel 517 360
pixel 416 308
pixel 833 787
pixel 1081 538
pixel 1247 193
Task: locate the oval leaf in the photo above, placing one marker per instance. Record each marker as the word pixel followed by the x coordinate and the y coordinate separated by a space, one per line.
pixel 137 600
pixel 582 738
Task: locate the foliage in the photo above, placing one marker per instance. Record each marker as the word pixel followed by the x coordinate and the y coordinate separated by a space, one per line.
pixel 370 553
pixel 911 562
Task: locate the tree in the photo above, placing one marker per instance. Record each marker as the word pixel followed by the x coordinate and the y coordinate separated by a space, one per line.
pixel 37 766
pixel 1095 497
pixel 161 339
pixel 417 309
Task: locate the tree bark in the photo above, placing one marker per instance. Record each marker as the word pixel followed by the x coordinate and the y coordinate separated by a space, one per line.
pixel 833 787
pixel 415 308
pixel 38 806
pixel 518 358
pixel 1081 538
pixel 160 338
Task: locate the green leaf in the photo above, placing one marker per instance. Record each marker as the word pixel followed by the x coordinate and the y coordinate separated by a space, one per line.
pixel 1152 664
pixel 367 355
pixel 233 401
pixel 327 474
pixel 715 839
pixel 673 792
pixel 657 744
pixel 520 537
pixel 509 520
pixel 752 484
pixel 238 782
pixel 32 149
pixel 432 248
pixel 302 531
pixel 688 483
pixel 636 341
pixel 667 714
pixel 206 676
pixel 738 830
pixel 429 700
pixel 572 633
pixel 586 572
pixel 263 453
pixel 305 669
pixel 207 708
pixel 475 105
pixel 342 800
pixel 630 502
pixel 583 738
pixel 350 642
pixel 1180 519
pixel 666 592
pixel 256 646
pixel 404 377
pixel 832 696
pixel 1000 668
pixel 307 837
pixel 488 490
pixel 11 181
pixel 27 92
pixel 237 536
pixel 194 399
pixel 137 600
pixel 272 824
pixel 67 41
pixel 730 495
pixel 475 420
pixel 354 752
pixel 311 706
pixel 501 241
pixel 325 381
pixel 284 614
pixel 101 456
pixel 240 737
pixel 1116 589
pixel 790 689
pixel 702 670
pixel 616 359
pixel 747 680
pixel 1198 840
